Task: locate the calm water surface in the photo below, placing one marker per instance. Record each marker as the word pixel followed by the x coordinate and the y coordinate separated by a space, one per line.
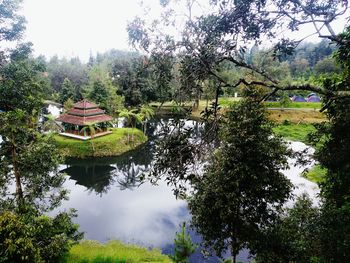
pixel 113 204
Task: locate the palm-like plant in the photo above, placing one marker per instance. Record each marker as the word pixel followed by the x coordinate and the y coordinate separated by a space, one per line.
pixel 50 124
pixel 132 118
pixel 147 113
pixel 92 128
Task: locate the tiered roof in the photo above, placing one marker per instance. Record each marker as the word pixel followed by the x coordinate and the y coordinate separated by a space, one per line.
pixel 84 113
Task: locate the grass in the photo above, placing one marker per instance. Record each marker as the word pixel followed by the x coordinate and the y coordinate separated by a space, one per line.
pixel 114 251
pixel 297 116
pixel 316 174
pixel 110 145
pixel 297 105
pixel 294 132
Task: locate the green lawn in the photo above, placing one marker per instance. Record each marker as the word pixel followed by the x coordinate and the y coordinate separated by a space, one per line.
pixel 294 132
pixel 114 251
pixel 299 105
pixel 316 174
pixel 110 145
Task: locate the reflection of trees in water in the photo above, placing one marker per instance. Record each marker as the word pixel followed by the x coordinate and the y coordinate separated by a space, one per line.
pixel 94 177
pixel 131 175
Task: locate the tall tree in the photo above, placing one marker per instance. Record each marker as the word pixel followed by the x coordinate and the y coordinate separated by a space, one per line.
pixel 334 155
pixel 242 189
pixel 30 183
pixel 67 91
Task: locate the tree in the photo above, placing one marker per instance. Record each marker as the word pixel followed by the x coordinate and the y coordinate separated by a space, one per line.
pixel 146 113
pixel 326 66
pixel 21 86
pixel 242 189
pixel 30 183
pixel 133 79
pixel 67 91
pixel 334 155
pixel 91 128
pixel 40 239
pixel 99 94
pixel 132 119
pixel 295 237
pixel 184 247
pixel 12 24
pixel 102 90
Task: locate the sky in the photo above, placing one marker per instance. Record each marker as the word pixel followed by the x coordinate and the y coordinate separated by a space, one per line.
pixel 70 28
pixel 77 27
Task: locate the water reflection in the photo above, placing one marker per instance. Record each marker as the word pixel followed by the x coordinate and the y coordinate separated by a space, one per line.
pixel 96 178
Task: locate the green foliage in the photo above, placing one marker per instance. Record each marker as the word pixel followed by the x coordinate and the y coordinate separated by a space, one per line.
pixel 184 246
pixel 17 242
pixel 36 239
pixel 294 238
pixel 175 156
pixel 242 189
pixel 102 91
pixel 113 144
pixel 67 91
pixel 334 156
pixel 316 174
pixel 68 104
pixel 33 160
pixel 21 86
pixel 99 93
pixel 114 251
pixel 60 69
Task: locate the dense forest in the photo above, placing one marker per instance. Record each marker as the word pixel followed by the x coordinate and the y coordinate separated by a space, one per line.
pixel 237 194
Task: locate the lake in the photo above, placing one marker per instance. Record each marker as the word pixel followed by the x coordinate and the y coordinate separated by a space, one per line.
pixel 113 204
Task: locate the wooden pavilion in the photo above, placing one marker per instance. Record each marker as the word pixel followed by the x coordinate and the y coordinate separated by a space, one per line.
pixel 78 121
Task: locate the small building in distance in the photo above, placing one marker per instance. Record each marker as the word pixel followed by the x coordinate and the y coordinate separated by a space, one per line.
pixel 78 121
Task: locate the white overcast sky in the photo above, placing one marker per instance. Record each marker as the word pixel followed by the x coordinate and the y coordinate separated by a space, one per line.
pixel 77 27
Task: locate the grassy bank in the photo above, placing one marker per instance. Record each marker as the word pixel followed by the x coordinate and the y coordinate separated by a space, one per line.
pixel 296 112
pixel 315 174
pixel 294 132
pixel 114 251
pixel 113 144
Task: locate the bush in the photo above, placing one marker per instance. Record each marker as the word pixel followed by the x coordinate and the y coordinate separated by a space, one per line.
pixel 16 240
pixel 36 239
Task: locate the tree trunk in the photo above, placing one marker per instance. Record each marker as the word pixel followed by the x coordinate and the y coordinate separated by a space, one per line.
pixel 19 191
pixel 233 250
pixel 216 101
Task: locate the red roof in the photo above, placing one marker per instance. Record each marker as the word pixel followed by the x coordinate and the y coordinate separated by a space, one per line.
pixel 85 104
pixel 77 120
pixel 84 113
pixel 88 112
